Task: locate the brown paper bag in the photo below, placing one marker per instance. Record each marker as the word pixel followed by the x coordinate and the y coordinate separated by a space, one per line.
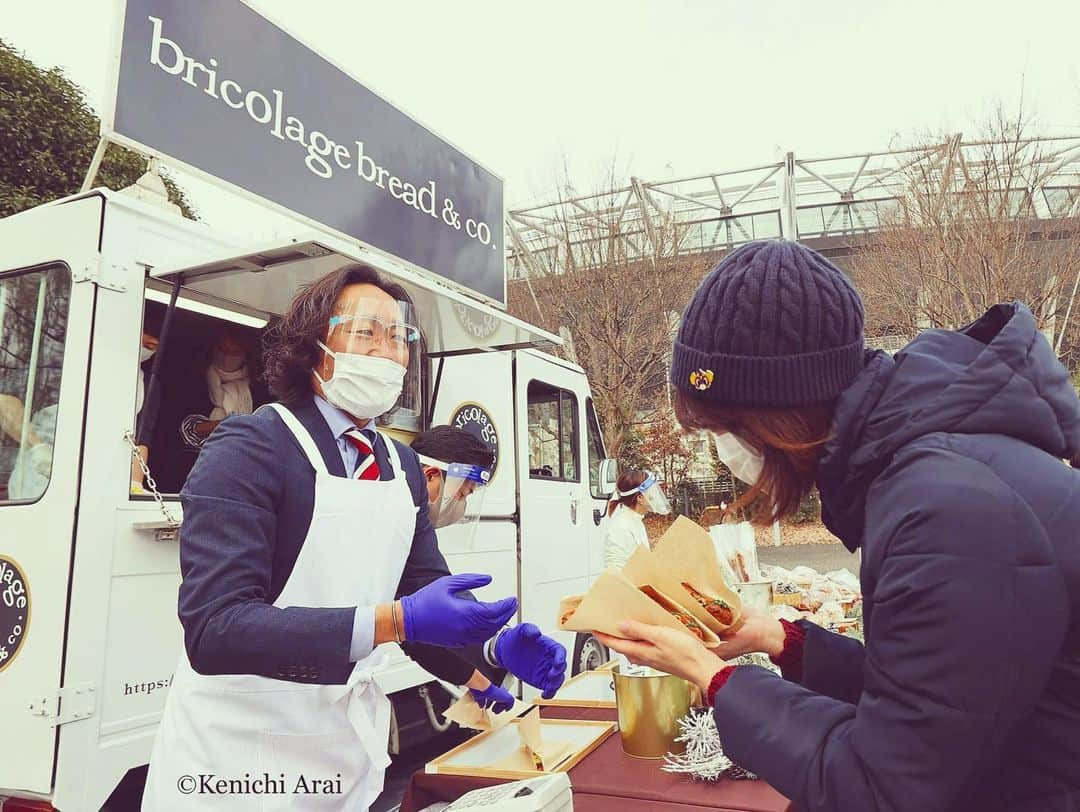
pixel 535 754
pixel 468 713
pixel 613 599
pixel 666 573
pixel 686 554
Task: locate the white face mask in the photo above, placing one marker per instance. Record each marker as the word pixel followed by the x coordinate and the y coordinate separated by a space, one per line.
pixel 365 386
pixel 229 361
pixel 741 458
pixel 145 354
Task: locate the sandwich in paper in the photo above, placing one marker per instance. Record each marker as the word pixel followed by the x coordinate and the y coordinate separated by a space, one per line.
pixel 719 609
pixel 614 599
pixel 684 564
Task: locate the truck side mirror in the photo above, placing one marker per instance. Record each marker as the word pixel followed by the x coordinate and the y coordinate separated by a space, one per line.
pixel 609 475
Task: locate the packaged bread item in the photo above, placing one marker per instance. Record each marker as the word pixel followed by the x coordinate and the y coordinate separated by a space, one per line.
pixel 718 608
pixel 676 611
pixel 468 713
pixel 684 565
pixel 535 753
pixel 614 599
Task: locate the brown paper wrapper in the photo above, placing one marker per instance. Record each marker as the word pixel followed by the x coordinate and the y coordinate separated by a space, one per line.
pixel 613 599
pixel 534 754
pixel 468 713
pixel 685 553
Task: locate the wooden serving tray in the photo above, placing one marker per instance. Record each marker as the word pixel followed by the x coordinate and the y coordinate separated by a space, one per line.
pixel 474 756
pixel 589 689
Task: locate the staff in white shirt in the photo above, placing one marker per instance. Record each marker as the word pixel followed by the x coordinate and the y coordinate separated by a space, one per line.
pixel 637 494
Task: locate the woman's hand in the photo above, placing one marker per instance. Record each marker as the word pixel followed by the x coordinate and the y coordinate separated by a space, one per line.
pixel 757 632
pixel 667 650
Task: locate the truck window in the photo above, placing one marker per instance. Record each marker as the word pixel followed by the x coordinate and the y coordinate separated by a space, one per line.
pixel 553 433
pixel 33 324
pixel 211 370
pixel 596 450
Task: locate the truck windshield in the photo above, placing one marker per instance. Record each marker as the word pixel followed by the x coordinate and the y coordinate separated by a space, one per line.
pixel 33 325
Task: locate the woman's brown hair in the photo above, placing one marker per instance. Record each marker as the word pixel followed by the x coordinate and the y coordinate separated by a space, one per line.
pixel 291 345
pixel 630 478
pixel 789 438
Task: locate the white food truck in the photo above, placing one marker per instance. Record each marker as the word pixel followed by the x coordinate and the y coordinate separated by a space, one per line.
pixel 89 635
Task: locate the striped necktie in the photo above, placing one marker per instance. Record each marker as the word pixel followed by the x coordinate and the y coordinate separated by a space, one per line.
pixel 366 467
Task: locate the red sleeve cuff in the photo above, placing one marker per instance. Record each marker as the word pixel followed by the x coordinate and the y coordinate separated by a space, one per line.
pixel 790 659
pixel 718 680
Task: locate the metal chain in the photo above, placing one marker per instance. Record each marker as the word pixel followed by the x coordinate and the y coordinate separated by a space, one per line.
pixel 148 479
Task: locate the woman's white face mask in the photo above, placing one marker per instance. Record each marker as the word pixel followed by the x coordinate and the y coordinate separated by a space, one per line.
pixel 364 386
pixel 145 354
pixel 229 361
pixel 741 458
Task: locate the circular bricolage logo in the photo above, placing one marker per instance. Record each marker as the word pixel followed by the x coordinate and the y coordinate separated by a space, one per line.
pixel 473 418
pixel 14 610
pixel 478 325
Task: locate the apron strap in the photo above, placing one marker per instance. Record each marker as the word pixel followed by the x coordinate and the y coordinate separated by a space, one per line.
pixel 302 436
pixel 392 452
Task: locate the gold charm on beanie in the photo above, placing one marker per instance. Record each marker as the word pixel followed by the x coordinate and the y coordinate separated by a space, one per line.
pixel 701 379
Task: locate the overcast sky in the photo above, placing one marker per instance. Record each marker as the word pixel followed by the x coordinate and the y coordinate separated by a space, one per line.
pixel 655 89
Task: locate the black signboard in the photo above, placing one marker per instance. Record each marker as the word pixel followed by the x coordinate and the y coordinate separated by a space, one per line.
pixel 216 86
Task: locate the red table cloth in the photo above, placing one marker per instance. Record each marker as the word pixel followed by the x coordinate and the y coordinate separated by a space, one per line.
pixel 608 779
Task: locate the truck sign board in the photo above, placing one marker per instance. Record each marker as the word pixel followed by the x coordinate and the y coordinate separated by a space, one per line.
pixel 218 88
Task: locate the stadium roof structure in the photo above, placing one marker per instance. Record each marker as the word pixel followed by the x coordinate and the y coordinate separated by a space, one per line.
pixel 812 200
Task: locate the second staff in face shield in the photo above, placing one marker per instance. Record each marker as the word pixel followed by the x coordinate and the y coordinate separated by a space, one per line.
pixel 637 494
pixel 458 468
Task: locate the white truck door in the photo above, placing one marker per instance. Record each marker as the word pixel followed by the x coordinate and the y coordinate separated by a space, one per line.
pixel 556 513
pixel 46 310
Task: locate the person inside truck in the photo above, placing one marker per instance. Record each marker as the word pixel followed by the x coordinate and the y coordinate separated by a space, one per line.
pixel 306 544
pixel 228 388
pixel 33 462
pixel 146 359
pixel 457 467
pixel 944 465
pixel 637 494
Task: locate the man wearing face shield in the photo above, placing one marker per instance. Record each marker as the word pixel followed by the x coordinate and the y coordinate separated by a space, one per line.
pixel 457 467
pixel 306 544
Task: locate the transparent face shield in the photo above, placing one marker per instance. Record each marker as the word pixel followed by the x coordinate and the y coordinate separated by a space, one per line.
pixel 461 498
pixel 388 329
pixel 655 498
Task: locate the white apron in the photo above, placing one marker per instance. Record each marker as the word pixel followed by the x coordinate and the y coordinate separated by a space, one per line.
pixel 288 735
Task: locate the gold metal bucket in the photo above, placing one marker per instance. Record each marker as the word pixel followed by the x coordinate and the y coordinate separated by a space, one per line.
pixel 650 707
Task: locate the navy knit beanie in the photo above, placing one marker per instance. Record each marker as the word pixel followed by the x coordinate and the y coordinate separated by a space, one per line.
pixel 773 324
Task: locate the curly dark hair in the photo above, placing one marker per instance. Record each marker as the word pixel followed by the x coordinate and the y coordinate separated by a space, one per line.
pixel 291 344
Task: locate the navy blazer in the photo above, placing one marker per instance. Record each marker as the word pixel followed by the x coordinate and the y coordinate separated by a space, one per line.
pixel 247 507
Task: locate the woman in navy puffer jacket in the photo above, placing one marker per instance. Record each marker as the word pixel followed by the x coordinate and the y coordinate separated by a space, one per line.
pixel 948 466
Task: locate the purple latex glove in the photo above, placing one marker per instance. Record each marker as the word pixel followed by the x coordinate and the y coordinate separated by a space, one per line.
pixel 435 614
pixel 494 698
pixel 532 657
